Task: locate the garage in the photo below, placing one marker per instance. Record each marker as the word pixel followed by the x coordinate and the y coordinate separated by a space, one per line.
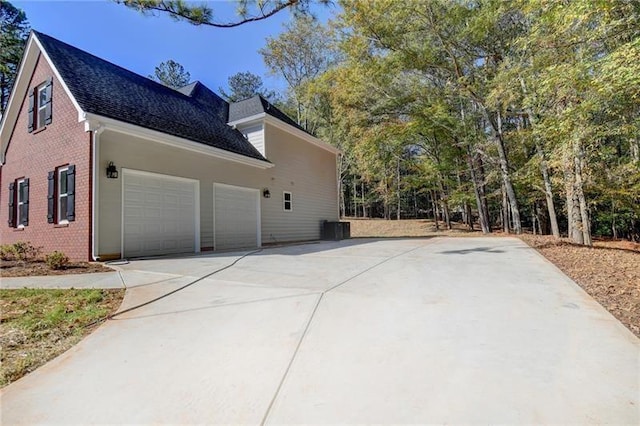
pixel 160 214
pixel 236 217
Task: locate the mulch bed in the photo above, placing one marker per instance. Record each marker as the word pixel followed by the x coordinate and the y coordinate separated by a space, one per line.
pixel 16 268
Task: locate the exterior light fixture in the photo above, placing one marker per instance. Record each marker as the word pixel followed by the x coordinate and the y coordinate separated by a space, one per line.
pixel 266 193
pixel 112 172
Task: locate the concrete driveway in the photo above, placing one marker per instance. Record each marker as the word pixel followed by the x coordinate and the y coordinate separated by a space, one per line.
pixel 458 330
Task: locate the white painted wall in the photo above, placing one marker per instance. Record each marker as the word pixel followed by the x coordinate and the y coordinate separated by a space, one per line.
pixel 307 171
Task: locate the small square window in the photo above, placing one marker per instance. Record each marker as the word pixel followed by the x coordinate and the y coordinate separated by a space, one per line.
pixel 288 201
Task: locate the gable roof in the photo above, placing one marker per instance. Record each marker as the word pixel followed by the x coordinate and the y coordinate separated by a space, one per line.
pixel 108 90
pixel 258 105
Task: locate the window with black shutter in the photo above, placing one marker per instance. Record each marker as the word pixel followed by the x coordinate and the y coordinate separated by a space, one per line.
pixel 19 203
pixel 40 106
pixel 12 208
pixel 61 206
pixel 22 202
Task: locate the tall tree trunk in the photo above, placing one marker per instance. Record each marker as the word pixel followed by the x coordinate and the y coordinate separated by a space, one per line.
pixel 364 206
pixel 496 126
pixel 574 222
pixel 469 215
pixel 635 149
pixel 544 169
pixel 578 157
pixel 445 202
pixel 504 214
pixel 434 208
pixel 354 197
pixel 478 190
pixel 398 188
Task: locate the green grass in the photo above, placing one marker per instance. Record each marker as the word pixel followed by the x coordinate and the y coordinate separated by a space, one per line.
pixel 36 325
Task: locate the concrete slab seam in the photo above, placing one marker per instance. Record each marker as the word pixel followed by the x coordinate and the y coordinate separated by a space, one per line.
pixel 293 357
pixel 308 326
pixel 122 279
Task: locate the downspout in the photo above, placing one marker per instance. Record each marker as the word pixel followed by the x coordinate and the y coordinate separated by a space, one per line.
pixel 94 190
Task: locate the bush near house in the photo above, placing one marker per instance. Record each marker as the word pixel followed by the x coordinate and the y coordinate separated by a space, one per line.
pixel 23 259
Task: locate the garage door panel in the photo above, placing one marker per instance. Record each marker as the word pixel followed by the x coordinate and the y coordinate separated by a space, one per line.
pixel 236 223
pixel 159 214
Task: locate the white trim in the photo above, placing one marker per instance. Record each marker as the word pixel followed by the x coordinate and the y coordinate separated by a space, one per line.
pixel 58 181
pixel 258 211
pixel 60 80
pixel 301 134
pixel 196 183
pixel 248 120
pixel 175 141
pixel 287 128
pixel 20 90
pixel 284 201
pixel 19 203
pixel 95 206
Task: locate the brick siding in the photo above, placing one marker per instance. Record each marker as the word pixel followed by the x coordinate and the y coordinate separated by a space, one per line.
pixel 33 155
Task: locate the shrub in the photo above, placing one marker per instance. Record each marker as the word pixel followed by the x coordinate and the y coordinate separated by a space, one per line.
pixel 24 250
pixel 7 252
pixel 57 260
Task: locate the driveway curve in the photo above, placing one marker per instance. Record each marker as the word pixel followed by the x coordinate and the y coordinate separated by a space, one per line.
pixel 443 330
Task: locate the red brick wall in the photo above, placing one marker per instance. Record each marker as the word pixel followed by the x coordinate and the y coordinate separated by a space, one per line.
pixel 33 155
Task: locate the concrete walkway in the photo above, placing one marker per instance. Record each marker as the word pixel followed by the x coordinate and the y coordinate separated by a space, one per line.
pixel 458 330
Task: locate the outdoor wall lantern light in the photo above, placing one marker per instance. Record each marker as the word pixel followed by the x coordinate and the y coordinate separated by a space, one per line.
pixel 266 193
pixel 112 172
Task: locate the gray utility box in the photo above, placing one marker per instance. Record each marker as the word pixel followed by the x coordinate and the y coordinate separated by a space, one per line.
pixel 336 230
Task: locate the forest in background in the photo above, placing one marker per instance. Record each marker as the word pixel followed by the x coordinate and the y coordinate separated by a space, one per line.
pixel 503 115
pixel 519 115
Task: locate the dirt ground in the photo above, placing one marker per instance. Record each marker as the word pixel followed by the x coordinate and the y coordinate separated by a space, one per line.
pixel 16 268
pixel 609 271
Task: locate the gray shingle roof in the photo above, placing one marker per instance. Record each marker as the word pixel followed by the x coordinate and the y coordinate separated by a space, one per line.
pixel 105 89
pixel 257 105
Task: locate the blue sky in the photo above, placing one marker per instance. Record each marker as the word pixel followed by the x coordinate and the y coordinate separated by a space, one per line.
pixel 138 42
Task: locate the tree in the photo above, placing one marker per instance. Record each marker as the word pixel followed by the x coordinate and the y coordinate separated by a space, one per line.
pixel 244 85
pixel 300 54
pixel 202 14
pixel 14 31
pixel 171 74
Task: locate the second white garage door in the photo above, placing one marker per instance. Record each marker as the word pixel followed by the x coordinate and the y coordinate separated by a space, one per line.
pixel 236 217
pixel 160 214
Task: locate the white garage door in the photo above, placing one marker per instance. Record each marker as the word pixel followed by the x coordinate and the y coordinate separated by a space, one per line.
pixel 160 214
pixel 236 217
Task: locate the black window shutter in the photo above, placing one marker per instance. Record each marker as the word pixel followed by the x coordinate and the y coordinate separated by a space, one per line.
pixel 24 214
pixel 51 198
pixel 12 212
pixel 31 117
pixel 71 193
pixel 48 110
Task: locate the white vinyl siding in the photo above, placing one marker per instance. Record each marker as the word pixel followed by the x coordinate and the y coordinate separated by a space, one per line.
pixel 236 217
pixel 255 136
pixel 305 170
pixel 160 214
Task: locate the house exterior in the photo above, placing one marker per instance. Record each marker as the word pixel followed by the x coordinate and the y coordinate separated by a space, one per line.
pixel 102 163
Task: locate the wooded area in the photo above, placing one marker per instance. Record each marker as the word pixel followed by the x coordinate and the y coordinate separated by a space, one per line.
pixel 513 115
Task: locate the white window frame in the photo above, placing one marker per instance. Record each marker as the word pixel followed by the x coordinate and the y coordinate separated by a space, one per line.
pixel 41 110
pixel 59 195
pixel 284 201
pixel 19 202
